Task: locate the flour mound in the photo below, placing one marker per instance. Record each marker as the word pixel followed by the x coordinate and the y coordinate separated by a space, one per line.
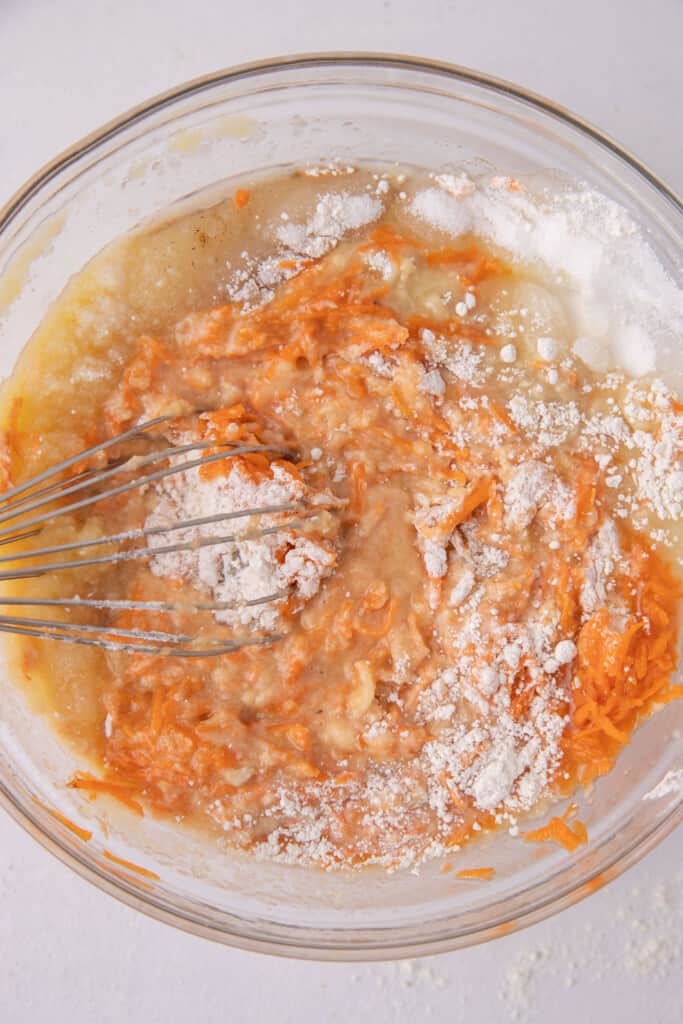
pixel 248 568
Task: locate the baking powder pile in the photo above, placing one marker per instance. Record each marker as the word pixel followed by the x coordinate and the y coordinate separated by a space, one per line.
pixel 629 313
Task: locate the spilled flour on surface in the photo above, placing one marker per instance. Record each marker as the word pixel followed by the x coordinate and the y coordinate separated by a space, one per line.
pixel 628 954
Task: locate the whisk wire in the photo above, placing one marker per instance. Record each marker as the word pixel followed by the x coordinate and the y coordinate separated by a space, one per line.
pixel 43 492
pixel 216 647
pixel 87 453
pixel 148 531
pixel 130 485
pixel 153 552
pixel 144 606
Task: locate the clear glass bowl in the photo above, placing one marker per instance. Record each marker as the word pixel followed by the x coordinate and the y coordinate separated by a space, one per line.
pixel 247 120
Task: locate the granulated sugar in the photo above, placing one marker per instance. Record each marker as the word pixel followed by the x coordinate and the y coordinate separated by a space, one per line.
pixel 625 304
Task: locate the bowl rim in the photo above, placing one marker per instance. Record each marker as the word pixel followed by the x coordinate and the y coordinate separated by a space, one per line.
pixel 330 58
pixel 118 887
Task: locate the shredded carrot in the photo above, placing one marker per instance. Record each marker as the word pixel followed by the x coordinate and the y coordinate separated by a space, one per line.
pixel 82 833
pixel 383 627
pixel 118 791
pixel 156 719
pixel 145 872
pixel 388 238
pixel 483 874
pixel 473 266
pixel 359 480
pixel 623 673
pixel 477 494
pixel 241 198
pixel 559 831
pixel 458 835
pixel 502 416
pixel 585 493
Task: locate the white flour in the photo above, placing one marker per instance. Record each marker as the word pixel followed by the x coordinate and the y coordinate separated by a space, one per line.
pixel 255 283
pixel 335 215
pixel 601 561
pixel 504 764
pixel 548 423
pixel 642 941
pixel 626 952
pixel 246 569
pixel 518 763
pixel 460 358
pixel 659 468
pixel 526 489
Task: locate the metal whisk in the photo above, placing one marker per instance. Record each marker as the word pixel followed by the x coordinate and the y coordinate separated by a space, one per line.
pixel 40 501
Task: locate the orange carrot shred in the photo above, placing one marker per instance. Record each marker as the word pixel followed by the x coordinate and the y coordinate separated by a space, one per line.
pixel 484 874
pixel 82 833
pixel 558 831
pixel 145 872
pixel 84 781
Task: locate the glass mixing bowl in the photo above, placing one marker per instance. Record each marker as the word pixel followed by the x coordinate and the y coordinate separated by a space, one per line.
pixel 269 116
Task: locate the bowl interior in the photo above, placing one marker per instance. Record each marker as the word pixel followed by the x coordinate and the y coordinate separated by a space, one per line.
pixel 185 148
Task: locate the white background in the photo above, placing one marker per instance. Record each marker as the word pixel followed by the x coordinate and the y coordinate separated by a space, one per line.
pixel 69 953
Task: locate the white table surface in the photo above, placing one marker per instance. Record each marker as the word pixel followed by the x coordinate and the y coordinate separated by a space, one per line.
pixel 69 953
